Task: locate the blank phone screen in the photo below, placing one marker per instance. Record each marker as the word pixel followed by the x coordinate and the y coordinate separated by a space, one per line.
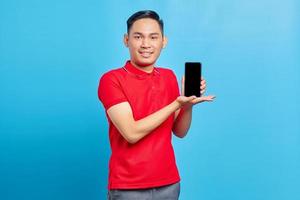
pixel 192 79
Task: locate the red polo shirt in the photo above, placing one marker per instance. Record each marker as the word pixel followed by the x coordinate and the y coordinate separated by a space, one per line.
pixel 150 162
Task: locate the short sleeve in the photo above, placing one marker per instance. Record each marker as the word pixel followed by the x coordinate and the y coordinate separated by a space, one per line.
pixel 110 91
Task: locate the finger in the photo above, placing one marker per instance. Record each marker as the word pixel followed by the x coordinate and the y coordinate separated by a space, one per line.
pixel 202 99
pixel 187 99
pixel 191 98
pixel 208 98
pixel 202 87
pixel 182 85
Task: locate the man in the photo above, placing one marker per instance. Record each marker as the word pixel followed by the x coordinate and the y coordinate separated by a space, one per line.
pixel 143 107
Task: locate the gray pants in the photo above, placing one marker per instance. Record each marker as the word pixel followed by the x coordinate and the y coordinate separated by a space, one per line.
pixel 168 192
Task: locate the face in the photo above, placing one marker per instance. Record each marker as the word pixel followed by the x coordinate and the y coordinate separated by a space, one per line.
pixel 145 42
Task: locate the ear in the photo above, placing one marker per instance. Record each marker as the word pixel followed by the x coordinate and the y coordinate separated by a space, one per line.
pixel 165 41
pixel 125 39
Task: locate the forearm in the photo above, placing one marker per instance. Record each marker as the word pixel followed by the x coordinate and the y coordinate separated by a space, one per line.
pixel 144 126
pixel 183 122
pixel 133 130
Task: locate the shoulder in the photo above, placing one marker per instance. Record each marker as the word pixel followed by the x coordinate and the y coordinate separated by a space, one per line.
pixel 113 72
pixel 112 75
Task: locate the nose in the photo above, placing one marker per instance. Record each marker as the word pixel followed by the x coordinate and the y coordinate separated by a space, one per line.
pixel 145 43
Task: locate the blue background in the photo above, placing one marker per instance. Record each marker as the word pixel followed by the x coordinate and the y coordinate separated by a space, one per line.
pixel 53 130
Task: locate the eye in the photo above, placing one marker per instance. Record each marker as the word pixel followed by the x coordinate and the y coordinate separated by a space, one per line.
pixel 154 37
pixel 137 37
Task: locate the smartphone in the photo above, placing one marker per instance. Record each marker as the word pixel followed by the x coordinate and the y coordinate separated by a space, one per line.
pixel 192 81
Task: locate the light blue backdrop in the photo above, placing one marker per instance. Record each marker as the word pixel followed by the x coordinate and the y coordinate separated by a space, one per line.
pixel 53 130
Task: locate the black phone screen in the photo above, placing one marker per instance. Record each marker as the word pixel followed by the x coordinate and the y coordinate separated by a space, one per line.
pixel 192 79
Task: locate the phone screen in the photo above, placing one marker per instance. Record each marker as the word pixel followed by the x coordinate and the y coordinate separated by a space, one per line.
pixel 192 79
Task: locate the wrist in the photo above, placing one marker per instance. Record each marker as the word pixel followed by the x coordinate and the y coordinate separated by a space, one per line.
pixel 187 107
pixel 177 104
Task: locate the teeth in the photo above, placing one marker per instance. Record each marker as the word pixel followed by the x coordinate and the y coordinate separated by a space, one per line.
pixel 146 54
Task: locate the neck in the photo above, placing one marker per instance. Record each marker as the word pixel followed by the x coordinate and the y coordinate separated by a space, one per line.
pixel 147 69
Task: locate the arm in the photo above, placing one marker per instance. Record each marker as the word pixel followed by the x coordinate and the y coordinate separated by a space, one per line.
pixel 183 117
pixel 122 117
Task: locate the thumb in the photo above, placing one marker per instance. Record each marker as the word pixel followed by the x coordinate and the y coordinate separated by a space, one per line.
pixel 190 98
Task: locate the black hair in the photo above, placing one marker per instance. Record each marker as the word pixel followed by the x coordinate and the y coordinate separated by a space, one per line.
pixel 145 14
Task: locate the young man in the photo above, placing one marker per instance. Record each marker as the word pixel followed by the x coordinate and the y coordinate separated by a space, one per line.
pixel 143 108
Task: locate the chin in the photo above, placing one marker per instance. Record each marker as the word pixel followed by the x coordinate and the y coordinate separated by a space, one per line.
pixel 145 64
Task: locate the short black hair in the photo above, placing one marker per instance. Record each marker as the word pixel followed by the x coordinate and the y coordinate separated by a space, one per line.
pixel 145 14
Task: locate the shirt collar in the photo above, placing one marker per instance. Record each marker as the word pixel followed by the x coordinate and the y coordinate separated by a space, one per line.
pixel 131 68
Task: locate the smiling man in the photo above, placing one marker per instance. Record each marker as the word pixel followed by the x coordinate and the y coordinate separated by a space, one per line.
pixel 143 108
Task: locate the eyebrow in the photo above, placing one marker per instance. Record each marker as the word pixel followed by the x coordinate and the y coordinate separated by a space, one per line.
pixel 139 33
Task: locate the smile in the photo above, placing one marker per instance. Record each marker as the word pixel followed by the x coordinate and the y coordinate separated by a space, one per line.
pixel 145 54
